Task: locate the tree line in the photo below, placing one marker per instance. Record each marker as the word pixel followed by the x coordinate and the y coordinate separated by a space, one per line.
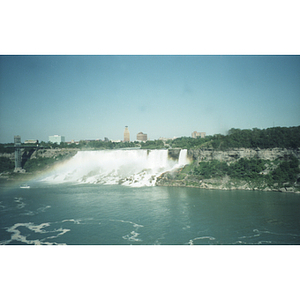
pixel 276 137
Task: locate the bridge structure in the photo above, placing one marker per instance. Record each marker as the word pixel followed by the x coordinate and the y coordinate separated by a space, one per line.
pixel 18 153
pixel 18 158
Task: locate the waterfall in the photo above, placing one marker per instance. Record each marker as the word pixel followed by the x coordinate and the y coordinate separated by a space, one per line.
pixel 127 167
pixel 183 159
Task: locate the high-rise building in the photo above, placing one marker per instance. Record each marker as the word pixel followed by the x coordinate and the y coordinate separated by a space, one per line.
pixel 196 134
pixel 56 139
pixel 126 134
pixel 141 136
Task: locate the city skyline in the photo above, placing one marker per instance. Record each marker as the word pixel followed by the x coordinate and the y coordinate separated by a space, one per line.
pixel 93 97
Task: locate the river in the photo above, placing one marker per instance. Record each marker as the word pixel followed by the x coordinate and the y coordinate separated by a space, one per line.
pixel 96 214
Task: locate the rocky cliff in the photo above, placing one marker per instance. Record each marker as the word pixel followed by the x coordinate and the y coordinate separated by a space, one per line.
pixel 36 159
pixel 52 153
pixel 199 155
pixel 270 161
pixel 46 153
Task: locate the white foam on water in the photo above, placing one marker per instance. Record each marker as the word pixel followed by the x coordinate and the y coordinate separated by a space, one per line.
pixel 43 209
pixel 134 168
pixel 132 237
pixel 28 213
pixel 37 228
pixel 191 242
pixel 21 203
pixel 257 234
pixel 39 210
pixel 262 234
pixel 17 236
pixel 61 231
pixel 134 224
pixel 264 242
pixel 186 227
pixel 274 233
pixel 72 220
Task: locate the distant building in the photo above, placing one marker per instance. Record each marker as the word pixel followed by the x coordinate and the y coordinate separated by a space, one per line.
pixel 141 136
pixel 56 139
pixel 73 142
pixel 166 139
pixel 126 134
pixel 196 134
pixel 163 139
pixel 31 142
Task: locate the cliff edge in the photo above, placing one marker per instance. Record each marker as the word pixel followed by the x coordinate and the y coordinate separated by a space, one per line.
pixel 275 169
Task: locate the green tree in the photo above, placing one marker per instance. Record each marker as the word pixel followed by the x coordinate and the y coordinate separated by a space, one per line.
pixel 6 164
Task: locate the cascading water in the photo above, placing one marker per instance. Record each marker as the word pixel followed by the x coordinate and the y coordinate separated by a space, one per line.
pixel 183 159
pixel 127 167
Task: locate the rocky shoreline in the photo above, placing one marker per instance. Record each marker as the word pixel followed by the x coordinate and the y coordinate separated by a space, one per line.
pixel 225 183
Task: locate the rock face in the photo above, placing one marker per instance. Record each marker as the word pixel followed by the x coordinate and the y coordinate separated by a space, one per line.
pixel 174 153
pixel 52 153
pixel 187 179
pixel 199 155
pixel 32 154
pixel 41 153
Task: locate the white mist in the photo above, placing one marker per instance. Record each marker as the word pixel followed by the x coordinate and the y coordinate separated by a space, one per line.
pixel 127 167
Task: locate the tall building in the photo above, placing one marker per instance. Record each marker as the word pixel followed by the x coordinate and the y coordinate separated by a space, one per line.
pixel 196 134
pixel 141 136
pixel 56 139
pixel 126 134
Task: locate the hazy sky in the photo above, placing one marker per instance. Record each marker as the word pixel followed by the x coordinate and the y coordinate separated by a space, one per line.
pixel 92 97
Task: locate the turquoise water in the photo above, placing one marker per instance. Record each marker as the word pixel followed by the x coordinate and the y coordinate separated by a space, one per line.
pixel 92 214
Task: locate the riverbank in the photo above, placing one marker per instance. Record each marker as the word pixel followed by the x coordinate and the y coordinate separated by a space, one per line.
pixel 274 169
pixel 226 183
pixel 279 175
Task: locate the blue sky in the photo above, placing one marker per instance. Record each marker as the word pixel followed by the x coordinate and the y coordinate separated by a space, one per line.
pixel 92 97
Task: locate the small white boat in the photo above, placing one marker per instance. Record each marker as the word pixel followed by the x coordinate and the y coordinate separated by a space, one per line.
pixel 24 186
